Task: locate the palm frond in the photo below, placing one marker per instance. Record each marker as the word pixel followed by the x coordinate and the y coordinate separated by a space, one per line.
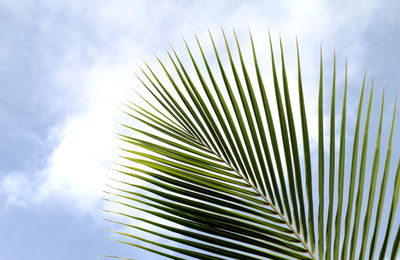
pixel 222 169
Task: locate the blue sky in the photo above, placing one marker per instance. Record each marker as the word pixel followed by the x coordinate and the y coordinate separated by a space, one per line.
pixel 65 65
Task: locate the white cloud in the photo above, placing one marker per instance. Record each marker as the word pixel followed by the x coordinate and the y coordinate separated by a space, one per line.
pixel 77 168
pixel 18 188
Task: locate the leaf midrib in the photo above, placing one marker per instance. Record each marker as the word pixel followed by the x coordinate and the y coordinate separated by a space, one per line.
pixel 297 235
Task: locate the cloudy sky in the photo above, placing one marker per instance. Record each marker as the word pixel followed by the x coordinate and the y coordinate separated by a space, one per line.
pixel 65 66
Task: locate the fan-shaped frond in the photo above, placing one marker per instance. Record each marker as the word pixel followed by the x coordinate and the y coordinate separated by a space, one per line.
pixel 223 168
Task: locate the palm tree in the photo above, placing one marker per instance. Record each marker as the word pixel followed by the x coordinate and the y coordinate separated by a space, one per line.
pixel 231 173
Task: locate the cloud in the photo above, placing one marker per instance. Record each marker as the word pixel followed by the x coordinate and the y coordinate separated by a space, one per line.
pixel 106 41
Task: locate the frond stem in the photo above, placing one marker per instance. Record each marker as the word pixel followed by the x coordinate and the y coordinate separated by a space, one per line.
pixel 298 236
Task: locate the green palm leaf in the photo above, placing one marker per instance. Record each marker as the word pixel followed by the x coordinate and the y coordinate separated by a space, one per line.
pixel 218 170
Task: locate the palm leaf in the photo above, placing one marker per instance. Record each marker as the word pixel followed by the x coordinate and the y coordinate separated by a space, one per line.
pixel 218 170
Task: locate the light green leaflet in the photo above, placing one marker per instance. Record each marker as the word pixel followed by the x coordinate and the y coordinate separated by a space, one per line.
pixel 228 166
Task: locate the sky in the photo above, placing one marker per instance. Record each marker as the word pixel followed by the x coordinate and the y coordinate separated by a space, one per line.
pixel 65 67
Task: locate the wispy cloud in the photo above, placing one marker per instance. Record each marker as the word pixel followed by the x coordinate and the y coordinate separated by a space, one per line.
pixel 103 41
